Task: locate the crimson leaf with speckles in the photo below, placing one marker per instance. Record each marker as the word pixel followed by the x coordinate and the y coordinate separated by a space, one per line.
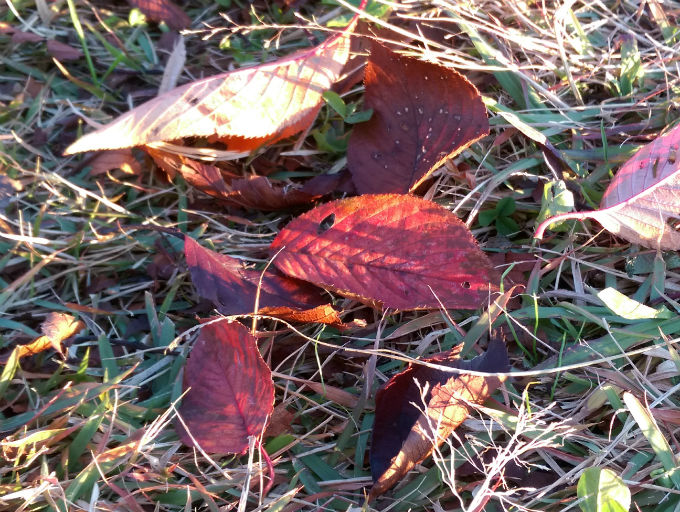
pixel 398 251
pixel 230 390
pixel 423 114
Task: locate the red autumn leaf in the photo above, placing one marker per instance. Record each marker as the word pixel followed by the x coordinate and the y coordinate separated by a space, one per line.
pixel 163 10
pixel 245 108
pixel 423 114
pixel 397 250
pixel 641 204
pixel 62 51
pixel 402 434
pixel 231 393
pixel 233 289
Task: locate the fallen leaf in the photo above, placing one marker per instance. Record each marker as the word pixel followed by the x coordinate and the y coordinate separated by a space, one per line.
pixel 163 10
pixel 62 51
pixel 205 177
pixel 244 108
pixel 122 159
pixel 265 194
pixel 641 203
pixel 403 434
pixel 230 390
pixel 56 328
pixel 399 251
pixel 19 36
pixel 233 289
pixel 423 114
pixel 280 421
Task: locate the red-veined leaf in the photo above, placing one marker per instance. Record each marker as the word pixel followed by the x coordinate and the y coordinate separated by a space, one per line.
pixel 642 202
pixel 244 108
pixel 397 250
pixel 423 114
pixel 402 434
pixel 233 289
pixel 231 390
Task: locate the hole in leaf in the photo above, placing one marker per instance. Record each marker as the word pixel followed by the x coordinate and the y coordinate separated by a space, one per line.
pixel 673 223
pixel 466 285
pixel 326 223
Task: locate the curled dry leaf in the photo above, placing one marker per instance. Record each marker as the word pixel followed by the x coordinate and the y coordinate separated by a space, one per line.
pixel 642 202
pixel 423 114
pixel 419 408
pixel 233 289
pixel 244 108
pixel 56 328
pixel 399 251
pixel 230 390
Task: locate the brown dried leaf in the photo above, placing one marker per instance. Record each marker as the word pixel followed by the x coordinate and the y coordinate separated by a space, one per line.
pixel 230 390
pixel 402 434
pixel 423 114
pixel 396 250
pixel 245 108
pixel 642 202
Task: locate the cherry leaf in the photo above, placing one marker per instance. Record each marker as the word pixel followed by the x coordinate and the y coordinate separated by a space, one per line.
pixel 230 390
pixel 418 409
pixel 399 251
pixel 423 114
pixel 641 203
pixel 245 108
pixel 233 289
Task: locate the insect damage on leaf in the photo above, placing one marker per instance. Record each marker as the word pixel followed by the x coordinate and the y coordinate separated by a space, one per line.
pixel 641 203
pixel 423 114
pixel 244 108
pixel 400 251
pixel 419 408
pixel 229 390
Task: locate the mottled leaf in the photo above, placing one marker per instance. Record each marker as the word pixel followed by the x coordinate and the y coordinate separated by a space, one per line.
pixel 423 114
pixel 642 202
pixel 244 108
pixel 419 408
pixel 233 289
pixel 396 250
pixel 230 390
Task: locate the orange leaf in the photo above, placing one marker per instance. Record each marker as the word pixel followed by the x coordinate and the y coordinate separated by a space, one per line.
pixel 248 106
pixel 399 251
pixel 404 433
pixel 56 328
